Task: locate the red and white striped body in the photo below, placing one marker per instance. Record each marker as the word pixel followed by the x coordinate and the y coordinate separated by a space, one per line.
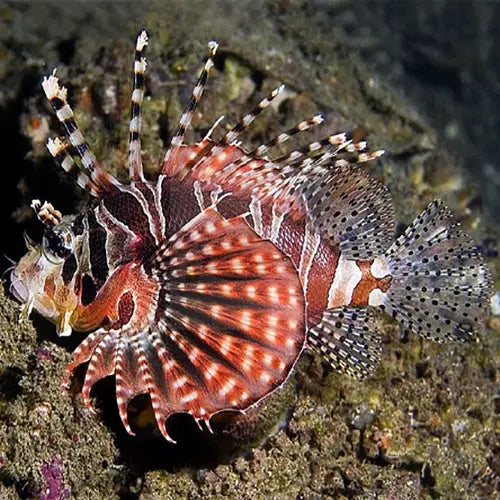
pixel 130 225
pixel 329 280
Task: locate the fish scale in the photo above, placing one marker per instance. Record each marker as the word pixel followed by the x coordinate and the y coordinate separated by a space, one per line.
pixel 202 288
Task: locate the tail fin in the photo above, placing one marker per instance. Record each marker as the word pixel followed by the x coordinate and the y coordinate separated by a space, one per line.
pixel 441 284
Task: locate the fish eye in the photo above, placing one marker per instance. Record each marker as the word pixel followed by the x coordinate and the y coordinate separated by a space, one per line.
pixel 57 243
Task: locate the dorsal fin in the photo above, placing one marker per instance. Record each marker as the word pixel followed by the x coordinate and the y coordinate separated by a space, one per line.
pixel 95 177
pixel 170 160
pixel 351 209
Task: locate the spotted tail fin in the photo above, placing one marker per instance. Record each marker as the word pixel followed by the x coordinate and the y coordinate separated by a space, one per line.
pixel 441 284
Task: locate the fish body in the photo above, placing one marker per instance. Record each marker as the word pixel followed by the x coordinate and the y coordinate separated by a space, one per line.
pixel 202 288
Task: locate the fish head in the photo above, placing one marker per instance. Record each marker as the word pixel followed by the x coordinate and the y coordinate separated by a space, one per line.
pixel 46 278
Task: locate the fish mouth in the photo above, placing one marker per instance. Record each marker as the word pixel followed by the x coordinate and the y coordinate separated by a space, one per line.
pixel 18 288
pixel 31 301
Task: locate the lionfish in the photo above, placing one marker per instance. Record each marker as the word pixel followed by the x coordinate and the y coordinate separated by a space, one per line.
pixel 203 287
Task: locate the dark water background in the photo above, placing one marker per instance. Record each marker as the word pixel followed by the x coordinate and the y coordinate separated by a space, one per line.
pixel 445 57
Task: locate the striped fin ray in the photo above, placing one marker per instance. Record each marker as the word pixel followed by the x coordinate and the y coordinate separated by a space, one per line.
pixel 292 164
pixel 337 141
pixel 102 181
pixel 249 117
pixel 171 156
pixel 112 352
pixel 130 380
pixel 82 354
pixel 59 150
pixel 347 338
pixel 230 166
pixel 134 156
pixel 280 178
pixel 102 362
pixel 208 151
pixel 360 156
pixel 287 135
pixel 201 150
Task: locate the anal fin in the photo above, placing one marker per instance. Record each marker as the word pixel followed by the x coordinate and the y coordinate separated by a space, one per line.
pixel 348 340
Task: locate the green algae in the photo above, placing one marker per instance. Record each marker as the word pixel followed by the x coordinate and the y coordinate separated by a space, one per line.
pixel 424 425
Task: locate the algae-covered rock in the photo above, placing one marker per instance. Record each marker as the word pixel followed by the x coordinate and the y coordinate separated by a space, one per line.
pixel 50 447
pixel 425 425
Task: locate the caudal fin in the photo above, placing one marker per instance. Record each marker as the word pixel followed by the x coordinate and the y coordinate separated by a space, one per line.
pixel 441 285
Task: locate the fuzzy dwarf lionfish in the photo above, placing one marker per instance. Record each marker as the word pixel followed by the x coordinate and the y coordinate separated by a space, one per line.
pixel 202 288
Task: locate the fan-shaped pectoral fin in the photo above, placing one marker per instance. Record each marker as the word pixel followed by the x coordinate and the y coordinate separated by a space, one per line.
pixel 227 329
